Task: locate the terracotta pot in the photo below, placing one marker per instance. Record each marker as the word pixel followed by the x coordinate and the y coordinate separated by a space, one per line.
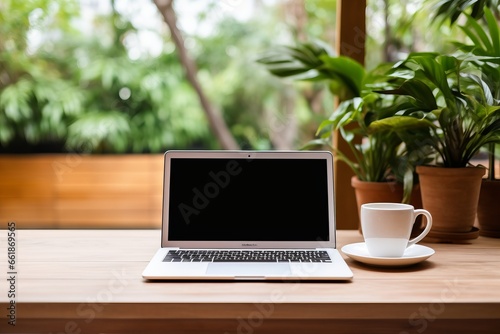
pixel 488 210
pixel 391 192
pixel 451 195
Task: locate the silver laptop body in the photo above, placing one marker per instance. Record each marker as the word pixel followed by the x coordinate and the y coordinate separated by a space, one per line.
pixel 262 205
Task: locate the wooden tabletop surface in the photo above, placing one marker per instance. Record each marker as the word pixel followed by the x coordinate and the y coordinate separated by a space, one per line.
pixel 89 281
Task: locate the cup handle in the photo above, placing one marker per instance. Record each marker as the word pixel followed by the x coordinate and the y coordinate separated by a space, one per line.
pixel 428 225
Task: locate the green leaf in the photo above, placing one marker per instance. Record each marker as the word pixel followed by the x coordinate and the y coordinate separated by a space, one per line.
pixel 399 124
pixel 421 92
pixel 494 30
pixel 494 127
pixel 346 112
pixel 346 71
pixel 477 34
pixel 312 144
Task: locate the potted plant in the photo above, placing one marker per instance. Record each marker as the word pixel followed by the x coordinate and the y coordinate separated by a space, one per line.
pixel 382 169
pixel 488 209
pixel 484 32
pixel 448 109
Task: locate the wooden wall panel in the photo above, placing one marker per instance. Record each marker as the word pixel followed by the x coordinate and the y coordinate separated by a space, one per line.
pixel 26 191
pixel 71 191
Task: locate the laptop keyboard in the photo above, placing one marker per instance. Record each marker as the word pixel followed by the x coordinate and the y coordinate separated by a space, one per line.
pixel 247 256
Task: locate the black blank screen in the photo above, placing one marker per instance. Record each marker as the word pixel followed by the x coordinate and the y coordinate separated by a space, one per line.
pixel 251 200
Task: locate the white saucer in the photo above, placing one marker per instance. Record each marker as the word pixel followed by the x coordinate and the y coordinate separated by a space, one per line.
pixel 413 254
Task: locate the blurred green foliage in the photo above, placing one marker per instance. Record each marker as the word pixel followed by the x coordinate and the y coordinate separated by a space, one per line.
pixel 65 86
pixel 80 92
pixel 84 92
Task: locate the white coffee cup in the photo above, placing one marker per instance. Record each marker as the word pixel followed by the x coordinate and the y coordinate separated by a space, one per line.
pixel 387 227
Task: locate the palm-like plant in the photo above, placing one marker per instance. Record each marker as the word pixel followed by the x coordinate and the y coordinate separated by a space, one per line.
pixel 485 40
pixel 376 156
pixel 445 105
pixel 317 62
pixel 452 9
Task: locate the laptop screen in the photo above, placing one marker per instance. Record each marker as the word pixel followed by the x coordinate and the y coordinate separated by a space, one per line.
pixel 254 199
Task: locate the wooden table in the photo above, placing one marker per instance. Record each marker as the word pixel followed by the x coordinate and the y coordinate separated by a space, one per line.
pixel 89 281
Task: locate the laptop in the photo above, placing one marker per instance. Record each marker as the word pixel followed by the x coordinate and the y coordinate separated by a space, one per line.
pixel 248 215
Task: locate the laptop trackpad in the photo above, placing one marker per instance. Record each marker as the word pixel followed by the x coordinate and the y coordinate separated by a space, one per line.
pixel 248 269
